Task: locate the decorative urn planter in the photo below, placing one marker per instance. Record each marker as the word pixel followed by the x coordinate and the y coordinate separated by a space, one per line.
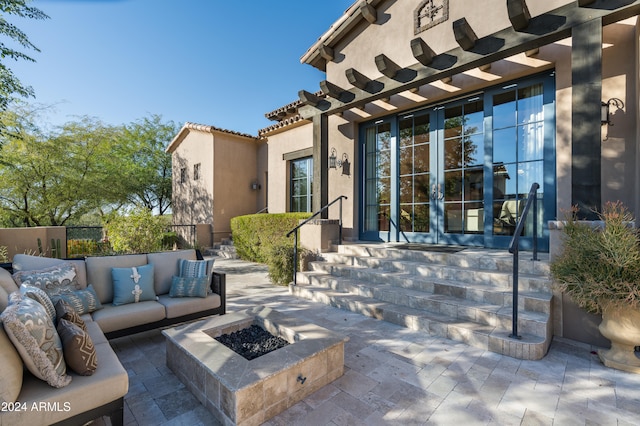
pixel 621 325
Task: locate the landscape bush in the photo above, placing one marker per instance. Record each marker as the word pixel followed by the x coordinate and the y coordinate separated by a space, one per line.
pixel 137 232
pixel 256 236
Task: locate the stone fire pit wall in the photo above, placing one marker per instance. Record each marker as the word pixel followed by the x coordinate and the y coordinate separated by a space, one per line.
pixel 238 391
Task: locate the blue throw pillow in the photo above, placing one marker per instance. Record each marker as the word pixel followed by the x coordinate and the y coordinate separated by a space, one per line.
pixel 83 301
pixel 132 285
pixel 189 287
pixel 196 269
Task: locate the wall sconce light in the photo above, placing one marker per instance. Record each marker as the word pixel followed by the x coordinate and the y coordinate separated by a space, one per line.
pixel 255 186
pixel 605 110
pixel 343 163
pixel 332 159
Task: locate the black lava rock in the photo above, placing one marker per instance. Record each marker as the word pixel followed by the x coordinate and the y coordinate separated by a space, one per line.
pixel 252 342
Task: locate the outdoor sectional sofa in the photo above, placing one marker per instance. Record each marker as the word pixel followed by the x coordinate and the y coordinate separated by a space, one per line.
pixel 101 394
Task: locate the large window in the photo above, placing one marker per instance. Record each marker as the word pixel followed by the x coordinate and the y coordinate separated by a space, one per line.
pixel 301 185
pixel 518 152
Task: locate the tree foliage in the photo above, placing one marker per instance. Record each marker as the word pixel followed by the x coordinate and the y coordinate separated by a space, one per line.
pixel 149 172
pixel 136 232
pixel 83 167
pixel 10 85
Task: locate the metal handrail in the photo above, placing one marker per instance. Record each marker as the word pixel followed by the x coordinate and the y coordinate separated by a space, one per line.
pixel 391 222
pixel 263 210
pixel 514 247
pixel 294 231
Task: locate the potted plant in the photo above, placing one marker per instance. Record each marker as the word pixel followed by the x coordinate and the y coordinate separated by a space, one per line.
pixel 599 268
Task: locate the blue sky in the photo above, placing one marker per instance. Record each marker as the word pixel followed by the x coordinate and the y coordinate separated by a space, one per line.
pixel 218 62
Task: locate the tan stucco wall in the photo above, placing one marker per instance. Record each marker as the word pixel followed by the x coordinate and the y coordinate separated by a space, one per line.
pixel 229 165
pixel 235 170
pixel 294 139
pixel 25 240
pixel 193 200
pixel 619 142
pixel 394 30
pixel 343 138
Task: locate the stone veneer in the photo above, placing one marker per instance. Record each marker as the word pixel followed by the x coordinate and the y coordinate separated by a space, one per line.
pixel 238 391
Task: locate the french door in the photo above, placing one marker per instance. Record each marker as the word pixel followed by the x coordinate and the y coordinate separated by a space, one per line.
pixel 460 172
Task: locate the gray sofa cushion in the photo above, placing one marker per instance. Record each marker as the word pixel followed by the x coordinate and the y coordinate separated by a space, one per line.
pixel 179 306
pixel 111 318
pixel 84 393
pixel 99 272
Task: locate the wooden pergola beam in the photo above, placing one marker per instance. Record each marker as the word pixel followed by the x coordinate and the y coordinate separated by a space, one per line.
pixel 369 13
pixel 543 29
pixel 518 14
pixel 464 34
pixel 421 51
pixel 335 91
pixel 386 66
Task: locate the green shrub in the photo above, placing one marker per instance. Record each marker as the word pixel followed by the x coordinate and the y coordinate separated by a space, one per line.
pixel 169 239
pixel 255 235
pixel 82 247
pixel 280 263
pixel 137 232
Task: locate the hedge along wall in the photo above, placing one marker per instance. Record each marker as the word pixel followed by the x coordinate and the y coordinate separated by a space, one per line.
pixel 255 235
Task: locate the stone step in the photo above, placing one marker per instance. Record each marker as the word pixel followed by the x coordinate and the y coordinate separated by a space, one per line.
pixel 424 288
pixel 481 259
pixel 466 295
pixel 530 346
pixel 225 250
pixel 397 272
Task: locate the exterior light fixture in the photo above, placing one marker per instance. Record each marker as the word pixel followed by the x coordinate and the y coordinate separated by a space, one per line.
pixel 255 186
pixel 332 159
pixel 343 163
pixel 605 110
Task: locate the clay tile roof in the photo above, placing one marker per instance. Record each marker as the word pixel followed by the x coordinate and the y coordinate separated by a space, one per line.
pixel 284 123
pixel 288 109
pixel 212 129
pixel 188 126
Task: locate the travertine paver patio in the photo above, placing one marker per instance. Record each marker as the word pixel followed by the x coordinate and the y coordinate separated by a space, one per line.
pixel 396 376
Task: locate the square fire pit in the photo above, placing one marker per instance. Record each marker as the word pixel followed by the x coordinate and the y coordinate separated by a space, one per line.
pixel 238 391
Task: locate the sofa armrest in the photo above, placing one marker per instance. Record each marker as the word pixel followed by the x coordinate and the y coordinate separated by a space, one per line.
pixel 219 286
pixel 7 282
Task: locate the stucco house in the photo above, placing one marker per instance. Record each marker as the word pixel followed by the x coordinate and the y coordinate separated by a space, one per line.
pixel 437 116
pixel 217 175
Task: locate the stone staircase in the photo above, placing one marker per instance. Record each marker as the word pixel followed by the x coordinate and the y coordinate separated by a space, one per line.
pixel 224 249
pixel 465 296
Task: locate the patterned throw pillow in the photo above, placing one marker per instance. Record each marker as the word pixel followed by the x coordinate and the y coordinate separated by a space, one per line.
pixel 79 351
pixel 82 301
pixel 66 311
pixel 196 269
pixel 189 287
pixel 41 297
pixel 54 280
pixel 132 285
pixel 31 331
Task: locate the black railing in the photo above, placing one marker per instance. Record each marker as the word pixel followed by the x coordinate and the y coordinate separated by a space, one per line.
pixel 294 231
pixel 395 225
pixel 187 235
pixel 514 247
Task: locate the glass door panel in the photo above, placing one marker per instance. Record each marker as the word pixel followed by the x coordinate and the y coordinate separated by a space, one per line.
pixel 377 179
pixel 462 172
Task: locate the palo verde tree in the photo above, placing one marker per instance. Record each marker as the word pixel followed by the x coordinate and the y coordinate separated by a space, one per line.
pixel 10 85
pixel 148 174
pixel 82 168
pixel 54 178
